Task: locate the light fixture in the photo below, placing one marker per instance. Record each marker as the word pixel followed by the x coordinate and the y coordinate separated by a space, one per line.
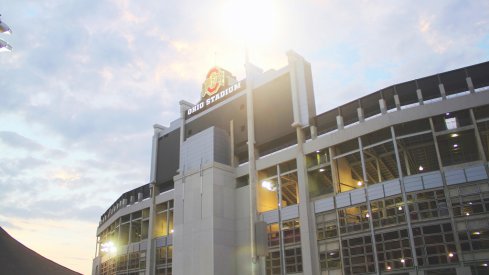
pixel 4 46
pixel 389 268
pixel 447 114
pixel 367 215
pixel 331 253
pixel 4 28
pixel 321 170
pixel 359 183
pixel 450 254
pixel 420 168
pixel 268 185
pixel 454 135
pixel 318 151
pixel 484 264
pixel 477 233
pixel 470 203
pixel 400 208
pixel 467 214
pixel 402 260
pixel 171 231
pixel 455 145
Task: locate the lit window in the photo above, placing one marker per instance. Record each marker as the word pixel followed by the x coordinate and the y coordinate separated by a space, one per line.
pixel 451 123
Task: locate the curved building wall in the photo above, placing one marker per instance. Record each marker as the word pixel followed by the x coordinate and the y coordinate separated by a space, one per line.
pixel 396 181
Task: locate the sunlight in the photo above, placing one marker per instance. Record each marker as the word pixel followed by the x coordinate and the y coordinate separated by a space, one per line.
pixel 254 21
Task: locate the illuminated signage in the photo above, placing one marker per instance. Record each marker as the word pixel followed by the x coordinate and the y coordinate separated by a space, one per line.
pixel 215 88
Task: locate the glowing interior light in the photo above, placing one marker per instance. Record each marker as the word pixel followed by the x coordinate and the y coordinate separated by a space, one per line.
pixel 477 233
pixel 454 135
pixel 450 254
pixel 318 151
pixel 447 114
pixel 400 208
pixel 420 168
pixel 367 215
pixel 402 260
pixel 268 185
pixel 359 183
pixel 484 264
pixel 321 170
pixel 455 145
pixel 470 202
pixel 467 214
pixel 171 231
pixel 389 268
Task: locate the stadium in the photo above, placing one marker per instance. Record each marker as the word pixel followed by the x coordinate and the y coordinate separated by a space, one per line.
pixel 250 180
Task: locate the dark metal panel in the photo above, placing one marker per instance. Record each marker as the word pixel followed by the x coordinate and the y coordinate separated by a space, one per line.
pixel 479 74
pixel 454 81
pixel 407 93
pixel 429 87
pixel 168 156
pixel 370 104
pixel 349 112
pixel 326 122
pixel 273 114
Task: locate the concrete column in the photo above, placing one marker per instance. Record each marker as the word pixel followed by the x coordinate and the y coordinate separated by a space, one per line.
pixel 441 87
pixel 447 196
pixel 383 106
pixel 398 102
pixel 150 245
pixel 339 122
pixel 314 131
pixel 310 261
pixel 404 199
pixel 420 96
pixel 369 209
pixel 480 147
pixel 470 85
pixel 361 116
pixel 251 73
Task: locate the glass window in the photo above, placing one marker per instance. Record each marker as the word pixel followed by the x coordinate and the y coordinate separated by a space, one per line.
pixel 456 148
pixel 380 162
pixel 452 120
pixel 353 219
pixel 417 154
pixel 435 244
pixel 320 181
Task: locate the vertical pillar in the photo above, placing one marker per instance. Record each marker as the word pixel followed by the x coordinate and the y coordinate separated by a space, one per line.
pixel 310 262
pixel 369 209
pixel 470 85
pixel 231 137
pixel 480 147
pixel 314 132
pixel 398 102
pixel 339 122
pixel 447 196
pixel 383 106
pixel 361 116
pixel 441 87
pixel 251 71
pixel 404 199
pixel 420 96
pixel 150 244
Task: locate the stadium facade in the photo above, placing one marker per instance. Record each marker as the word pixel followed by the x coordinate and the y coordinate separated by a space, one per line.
pixel 251 180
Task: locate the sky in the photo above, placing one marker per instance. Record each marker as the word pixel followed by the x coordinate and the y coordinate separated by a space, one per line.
pixel 87 80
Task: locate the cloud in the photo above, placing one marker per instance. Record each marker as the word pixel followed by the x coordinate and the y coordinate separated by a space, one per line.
pixel 18 141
